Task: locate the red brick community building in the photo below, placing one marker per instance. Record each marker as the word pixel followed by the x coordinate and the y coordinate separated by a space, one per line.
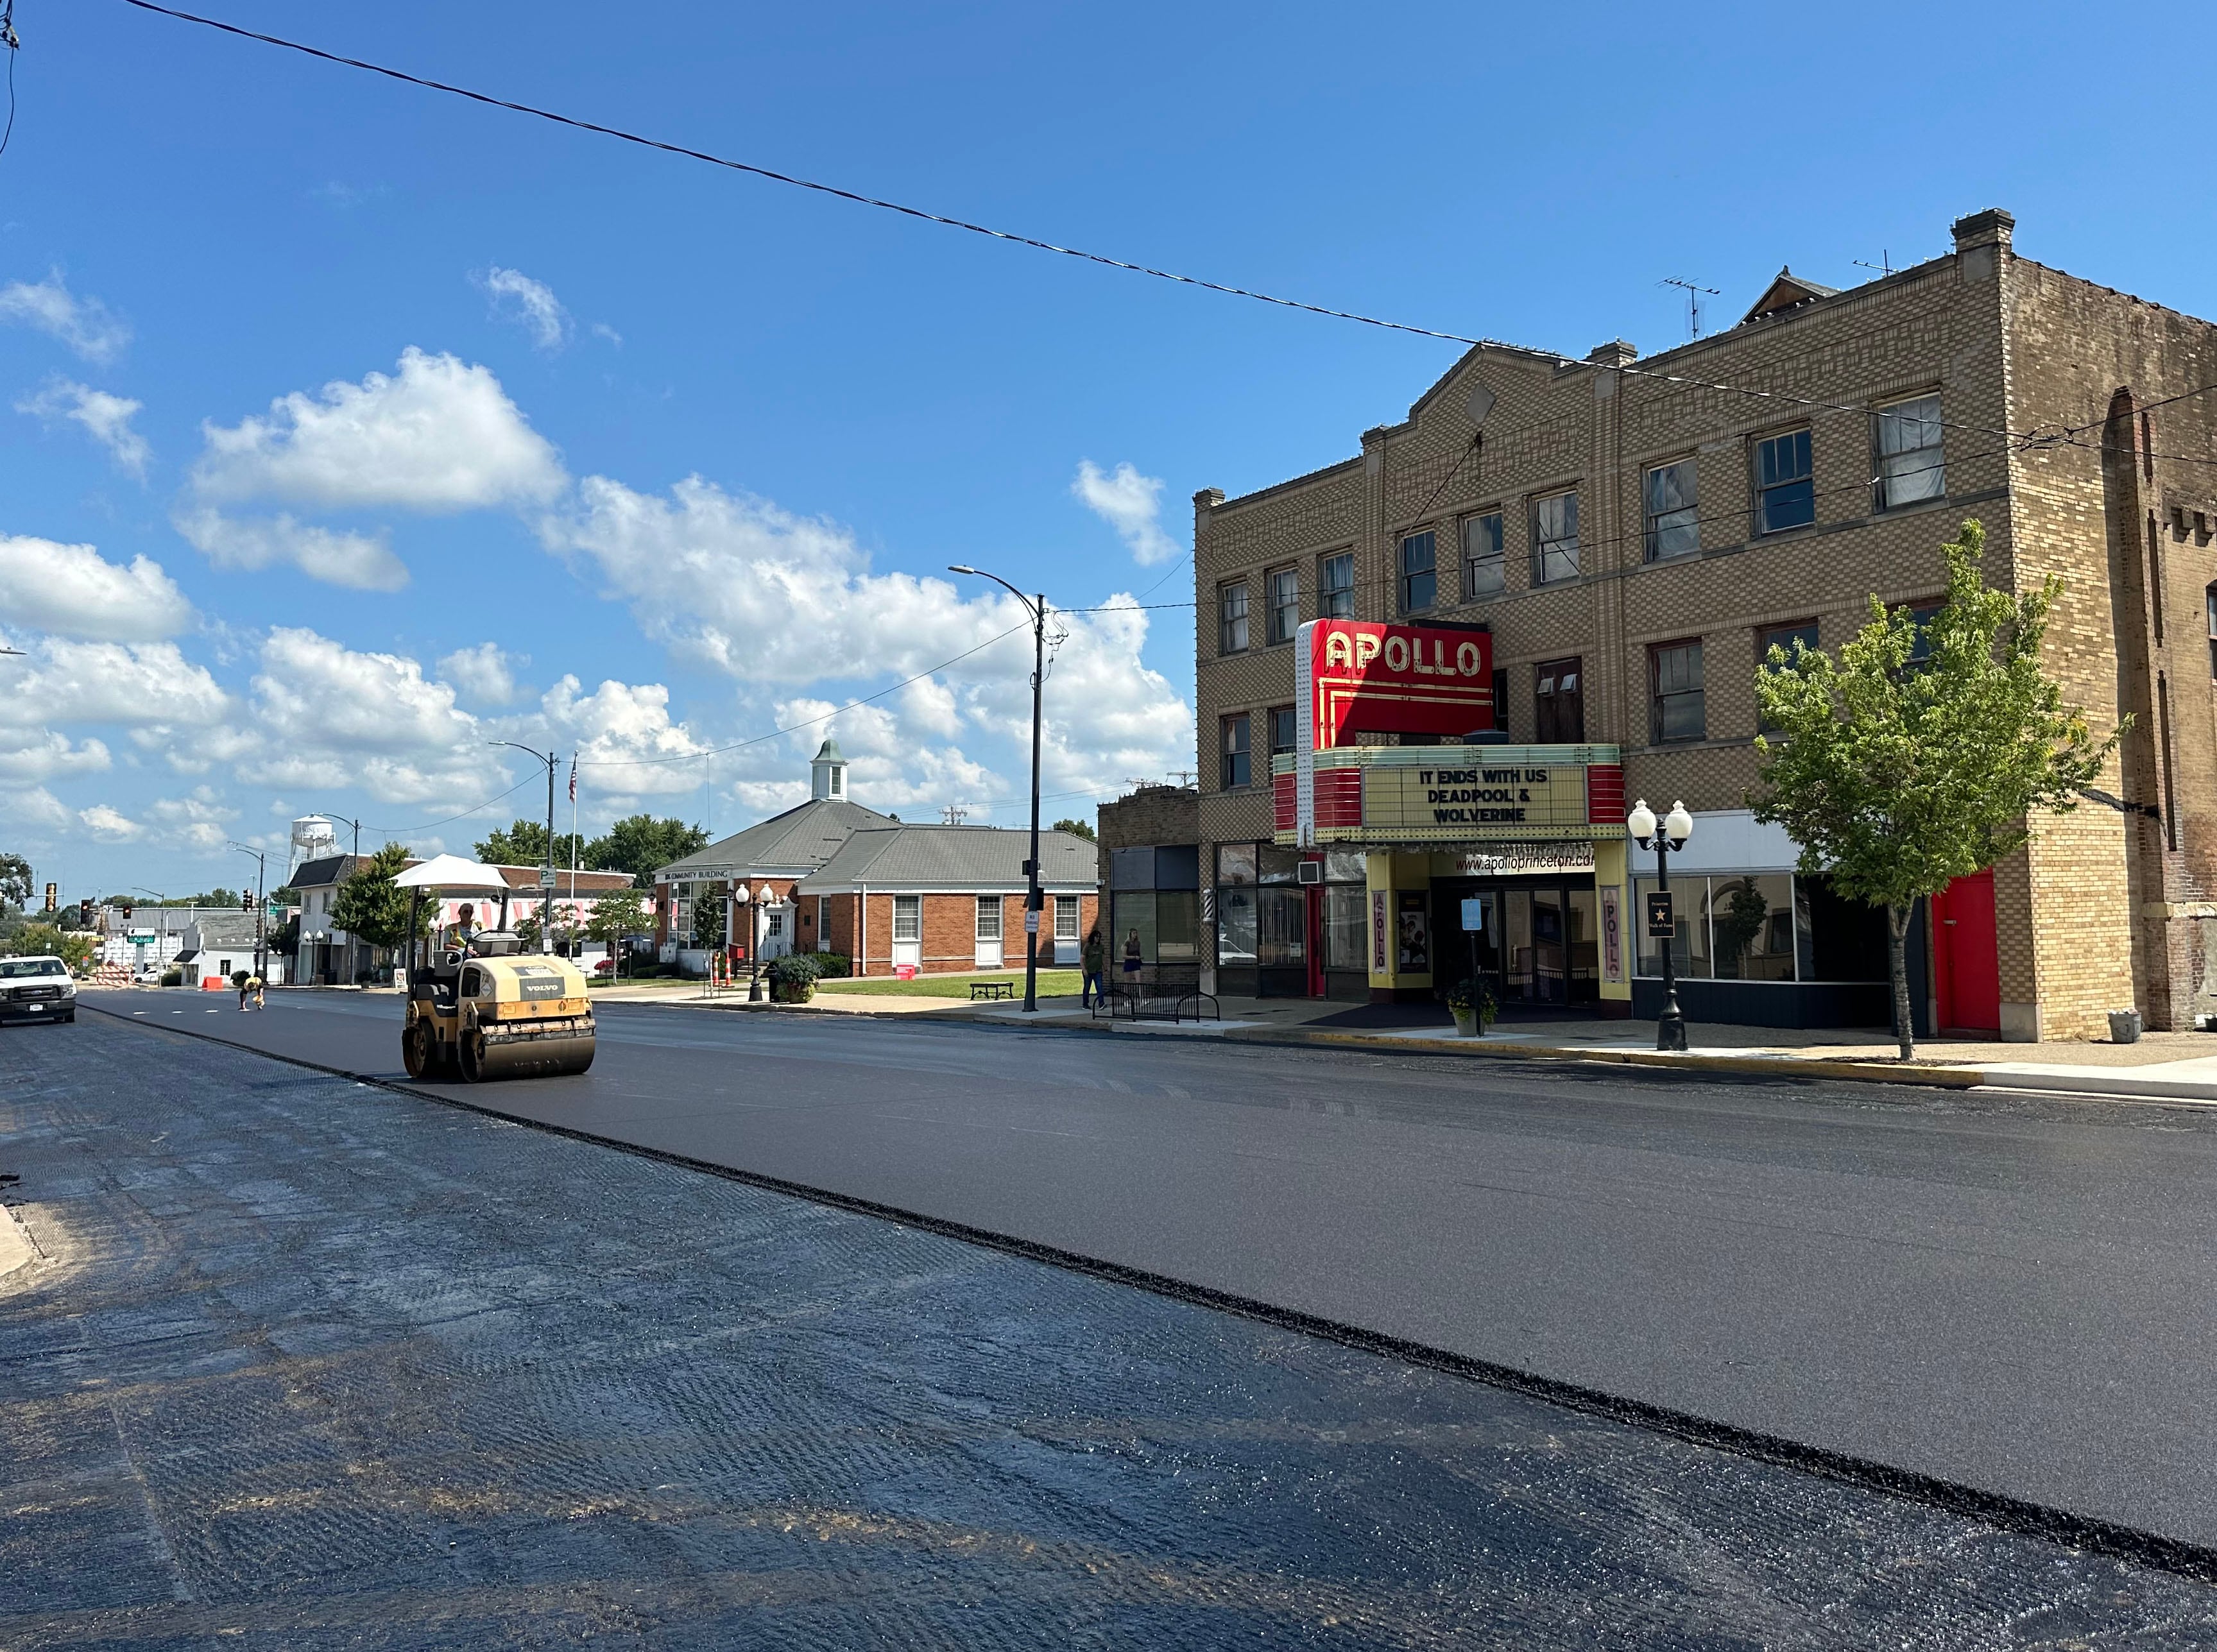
pixel 830 875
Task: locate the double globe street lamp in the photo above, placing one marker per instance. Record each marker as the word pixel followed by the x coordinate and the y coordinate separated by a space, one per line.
pixel 1669 834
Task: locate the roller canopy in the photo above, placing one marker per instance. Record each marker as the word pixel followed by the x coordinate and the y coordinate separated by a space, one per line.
pixel 450 872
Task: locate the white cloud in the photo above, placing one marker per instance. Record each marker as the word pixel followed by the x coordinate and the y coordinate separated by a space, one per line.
pixel 106 417
pixel 107 824
pixel 486 672
pixel 440 436
pixel 624 738
pixel 33 806
pixel 1130 504
pixel 328 716
pixel 130 683
pixel 199 820
pixel 770 598
pixel 32 755
pixel 73 589
pixel 516 297
pixel 602 329
pixel 86 326
pixel 361 562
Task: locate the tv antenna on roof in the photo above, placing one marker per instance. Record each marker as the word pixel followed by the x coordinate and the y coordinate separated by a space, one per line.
pixel 1693 302
pixel 954 815
pixel 1885 265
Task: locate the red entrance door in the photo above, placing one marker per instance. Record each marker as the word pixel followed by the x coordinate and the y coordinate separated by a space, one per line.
pixel 1315 937
pixel 1967 955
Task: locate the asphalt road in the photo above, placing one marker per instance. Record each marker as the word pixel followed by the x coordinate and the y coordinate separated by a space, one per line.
pixel 2014 1295
pixel 307 1363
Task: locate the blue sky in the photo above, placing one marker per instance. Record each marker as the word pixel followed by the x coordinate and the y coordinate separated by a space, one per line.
pixel 452 426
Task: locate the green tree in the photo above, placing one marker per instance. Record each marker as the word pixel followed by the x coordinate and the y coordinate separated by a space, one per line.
pixel 640 845
pixel 1078 828
pixel 74 948
pixel 616 916
pixel 14 880
pixel 523 843
pixel 708 921
pixel 1899 768
pixel 370 904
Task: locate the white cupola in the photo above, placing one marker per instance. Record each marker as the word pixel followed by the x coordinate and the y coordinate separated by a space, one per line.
pixel 827 773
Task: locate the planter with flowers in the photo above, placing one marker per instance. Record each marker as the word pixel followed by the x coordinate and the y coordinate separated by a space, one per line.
pixel 1470 1003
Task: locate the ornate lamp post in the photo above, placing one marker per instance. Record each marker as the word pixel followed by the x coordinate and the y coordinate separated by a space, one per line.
pixel 1672 834
pixel 756 898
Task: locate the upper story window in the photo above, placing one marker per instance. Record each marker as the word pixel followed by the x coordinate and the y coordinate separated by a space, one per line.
pixel 1283 730
pixel 1336 596
pixel 1233 770
pixel 1785 494
pixel 1555 538
pixel 1678 710
pixel 1282 589
pixel 1420 579
pixel 1674 528
pixel 1786 637
pixel 1483 570
pixel 1231 619
pixel 1909 463
pixel 1559 703
pixel 2209 601
pixel 1922 613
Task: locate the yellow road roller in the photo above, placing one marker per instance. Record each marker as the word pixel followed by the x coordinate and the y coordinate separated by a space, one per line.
pixel 489 1011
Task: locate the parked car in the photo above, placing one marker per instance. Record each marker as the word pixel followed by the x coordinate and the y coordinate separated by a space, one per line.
pixel 148 975
pixel 36 989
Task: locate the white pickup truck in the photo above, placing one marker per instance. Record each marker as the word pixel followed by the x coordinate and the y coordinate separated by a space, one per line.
pixel 36 989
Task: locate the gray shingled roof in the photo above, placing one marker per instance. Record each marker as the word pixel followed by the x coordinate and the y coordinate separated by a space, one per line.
pixel 799 839
pixel 985 859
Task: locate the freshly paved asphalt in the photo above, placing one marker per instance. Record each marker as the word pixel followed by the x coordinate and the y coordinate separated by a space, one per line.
pixel 306 1364
pixel 2014 1295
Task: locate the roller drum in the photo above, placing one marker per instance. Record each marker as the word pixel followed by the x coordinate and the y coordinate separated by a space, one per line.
pixel 547 1055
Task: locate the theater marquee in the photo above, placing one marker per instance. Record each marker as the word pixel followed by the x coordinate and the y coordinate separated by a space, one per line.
pixel 1416 795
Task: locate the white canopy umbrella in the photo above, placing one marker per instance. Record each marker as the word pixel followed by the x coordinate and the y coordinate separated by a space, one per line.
pixel 451 872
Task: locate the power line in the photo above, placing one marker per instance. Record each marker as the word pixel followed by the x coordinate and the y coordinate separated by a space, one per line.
pixel 1683 381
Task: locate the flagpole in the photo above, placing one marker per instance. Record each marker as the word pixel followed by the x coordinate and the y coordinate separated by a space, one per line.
pixel 573 834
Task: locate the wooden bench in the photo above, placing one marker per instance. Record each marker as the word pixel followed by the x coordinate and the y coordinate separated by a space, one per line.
pixel 981 990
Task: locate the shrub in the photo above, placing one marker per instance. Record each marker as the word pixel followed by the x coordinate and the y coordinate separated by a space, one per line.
pixel 793 979
pixel 832 966
pixel 173 977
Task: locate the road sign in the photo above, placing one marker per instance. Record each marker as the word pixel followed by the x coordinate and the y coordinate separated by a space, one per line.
pixel 545 877
pixel 1031 922
pixel 1661 926
pixel 1473 914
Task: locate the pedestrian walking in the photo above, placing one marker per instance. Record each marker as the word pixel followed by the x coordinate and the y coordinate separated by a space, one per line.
pixel 1096 959
pixel 255 983
pixel 1131 959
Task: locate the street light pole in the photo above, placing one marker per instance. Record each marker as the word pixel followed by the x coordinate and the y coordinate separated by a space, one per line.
pixel 261 910
pixel 1670 835
pixel 1033 900
pixel 547 866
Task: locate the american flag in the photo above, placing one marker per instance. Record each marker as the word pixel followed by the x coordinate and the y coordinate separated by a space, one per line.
pixel 573 780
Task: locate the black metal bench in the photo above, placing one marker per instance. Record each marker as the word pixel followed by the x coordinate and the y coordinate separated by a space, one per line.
pixel 981 991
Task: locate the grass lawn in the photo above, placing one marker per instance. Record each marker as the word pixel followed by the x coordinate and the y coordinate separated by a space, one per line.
pixel 1053 984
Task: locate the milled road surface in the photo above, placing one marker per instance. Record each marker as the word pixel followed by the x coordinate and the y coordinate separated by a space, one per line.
pixel 310 1363
pixel 2012 1295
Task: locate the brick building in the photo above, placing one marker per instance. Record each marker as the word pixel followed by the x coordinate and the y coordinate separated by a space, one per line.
pixel 1631 536
pixel 832 876
pixel 1149 872
pixel 946 898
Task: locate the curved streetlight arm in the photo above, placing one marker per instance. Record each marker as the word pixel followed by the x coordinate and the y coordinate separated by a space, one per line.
pixel 1030 607
pixel 547 871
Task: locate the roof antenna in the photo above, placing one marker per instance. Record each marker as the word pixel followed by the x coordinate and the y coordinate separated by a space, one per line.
pixel 1693 302
pixel 954 815
pixel 1885 265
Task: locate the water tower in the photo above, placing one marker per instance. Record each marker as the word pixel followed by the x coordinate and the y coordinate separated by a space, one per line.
pixel 313 839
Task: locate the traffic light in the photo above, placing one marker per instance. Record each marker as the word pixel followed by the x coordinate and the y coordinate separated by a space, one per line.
pixel 53 890
pixel 245 902
pixel 124 909
pixel 84 913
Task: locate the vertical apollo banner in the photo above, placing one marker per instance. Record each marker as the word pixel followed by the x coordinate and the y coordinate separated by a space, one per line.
pixel 1354 677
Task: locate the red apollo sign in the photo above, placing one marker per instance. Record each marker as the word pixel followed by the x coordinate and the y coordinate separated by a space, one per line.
pixel 1359 677
pixel 1355 677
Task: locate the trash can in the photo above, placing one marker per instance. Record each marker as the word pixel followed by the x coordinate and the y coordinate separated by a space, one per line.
pixel 2124 1027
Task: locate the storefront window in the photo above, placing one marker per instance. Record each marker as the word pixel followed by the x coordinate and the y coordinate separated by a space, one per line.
pixel 1235 863
pixel 1751 927
pixel 1134 912
pixel 1345 866
pixel 1345 927
pixel 1235 923
pixel 1278 866
pixel 1689 950
pixel 1177 926
pixel 1282 926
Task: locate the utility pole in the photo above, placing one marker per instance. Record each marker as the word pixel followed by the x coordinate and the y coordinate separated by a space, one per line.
pixel 1693 302
pixel 546 861
pixel 1033 900
pixel 261 909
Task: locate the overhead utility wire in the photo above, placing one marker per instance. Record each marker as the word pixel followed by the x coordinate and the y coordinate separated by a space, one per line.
pixel 1683 381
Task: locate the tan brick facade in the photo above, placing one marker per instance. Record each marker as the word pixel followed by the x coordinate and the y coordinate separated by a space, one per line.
pixel 2037 373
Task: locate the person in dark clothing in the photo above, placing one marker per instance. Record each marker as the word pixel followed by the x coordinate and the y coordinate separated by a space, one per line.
pixel 1097 963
